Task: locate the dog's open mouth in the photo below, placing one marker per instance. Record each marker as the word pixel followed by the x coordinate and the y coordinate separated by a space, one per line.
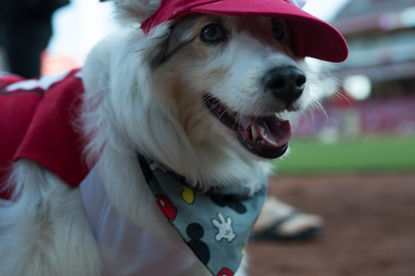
pixel 266 137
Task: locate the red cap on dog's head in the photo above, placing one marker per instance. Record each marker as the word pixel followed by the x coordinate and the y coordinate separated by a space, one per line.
pixel 314 37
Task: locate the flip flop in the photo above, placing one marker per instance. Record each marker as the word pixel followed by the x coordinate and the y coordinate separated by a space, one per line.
pixel 281 222
pixel 272 233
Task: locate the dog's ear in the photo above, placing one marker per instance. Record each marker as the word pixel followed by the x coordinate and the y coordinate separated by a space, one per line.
pixel 168 39
pixel 136 11
pixel 157 47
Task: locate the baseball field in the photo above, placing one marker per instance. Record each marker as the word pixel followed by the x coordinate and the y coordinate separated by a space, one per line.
pixel 369 154
pixel 365 191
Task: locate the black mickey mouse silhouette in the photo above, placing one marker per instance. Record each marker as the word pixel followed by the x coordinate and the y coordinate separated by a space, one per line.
pixel 195 231
pixel 230 201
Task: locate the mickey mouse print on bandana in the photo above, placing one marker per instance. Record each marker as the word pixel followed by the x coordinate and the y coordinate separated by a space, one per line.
pixel 215 225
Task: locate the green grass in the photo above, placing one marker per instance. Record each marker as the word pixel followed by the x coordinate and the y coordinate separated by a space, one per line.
pixel 381 154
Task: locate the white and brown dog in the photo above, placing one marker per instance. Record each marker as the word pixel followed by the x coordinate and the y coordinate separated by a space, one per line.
pixel 199 89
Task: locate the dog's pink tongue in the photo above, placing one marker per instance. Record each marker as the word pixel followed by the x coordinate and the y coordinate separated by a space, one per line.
pixel 273 130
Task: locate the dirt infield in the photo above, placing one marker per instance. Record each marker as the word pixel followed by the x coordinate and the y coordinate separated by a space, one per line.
pixel 370 227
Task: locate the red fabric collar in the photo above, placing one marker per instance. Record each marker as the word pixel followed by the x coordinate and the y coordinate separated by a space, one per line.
pixel 37 122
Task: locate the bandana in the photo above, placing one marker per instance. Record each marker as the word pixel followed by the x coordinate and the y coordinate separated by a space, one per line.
pixel 214 224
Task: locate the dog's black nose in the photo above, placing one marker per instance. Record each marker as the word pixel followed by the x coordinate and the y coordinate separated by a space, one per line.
pixel 286 83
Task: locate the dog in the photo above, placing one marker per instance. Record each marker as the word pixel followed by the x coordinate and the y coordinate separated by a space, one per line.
pixel 197 95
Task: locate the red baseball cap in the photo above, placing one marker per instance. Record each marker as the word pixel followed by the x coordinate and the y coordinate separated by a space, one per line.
pixel 314 37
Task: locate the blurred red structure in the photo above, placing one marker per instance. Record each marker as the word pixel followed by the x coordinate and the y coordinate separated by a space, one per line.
pixel 381 115
pixel 381 39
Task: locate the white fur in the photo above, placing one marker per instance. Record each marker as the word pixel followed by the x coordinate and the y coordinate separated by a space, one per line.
pixel 46 232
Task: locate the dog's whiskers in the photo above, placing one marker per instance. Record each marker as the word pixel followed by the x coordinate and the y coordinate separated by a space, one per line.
pixel 342 96
pixel 234 124
pixel 218 120
pixel 200 105
pixel 203 113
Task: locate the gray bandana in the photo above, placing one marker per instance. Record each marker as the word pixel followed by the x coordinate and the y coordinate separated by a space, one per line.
pixel 215 224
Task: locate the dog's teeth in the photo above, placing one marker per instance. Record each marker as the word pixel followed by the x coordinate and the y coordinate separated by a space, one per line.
pixel 263 142
pixel 231 112
pixel 254 133
pixel 262 131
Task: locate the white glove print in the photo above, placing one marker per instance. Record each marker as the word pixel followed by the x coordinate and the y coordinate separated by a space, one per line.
pixel 224 227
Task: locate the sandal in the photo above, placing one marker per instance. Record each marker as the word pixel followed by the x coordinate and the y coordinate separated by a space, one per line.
pixel 281 222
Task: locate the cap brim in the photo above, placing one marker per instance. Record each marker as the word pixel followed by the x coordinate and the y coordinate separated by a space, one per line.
pixel 314 37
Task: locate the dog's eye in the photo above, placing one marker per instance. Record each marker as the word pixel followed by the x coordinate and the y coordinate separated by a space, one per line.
pixel 212 33
pixel 278 29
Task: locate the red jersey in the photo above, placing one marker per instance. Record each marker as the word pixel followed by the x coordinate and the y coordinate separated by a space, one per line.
pixel 37 122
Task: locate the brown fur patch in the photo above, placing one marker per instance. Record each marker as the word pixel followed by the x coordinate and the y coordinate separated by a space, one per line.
pixel 186 90
pixel 183 80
